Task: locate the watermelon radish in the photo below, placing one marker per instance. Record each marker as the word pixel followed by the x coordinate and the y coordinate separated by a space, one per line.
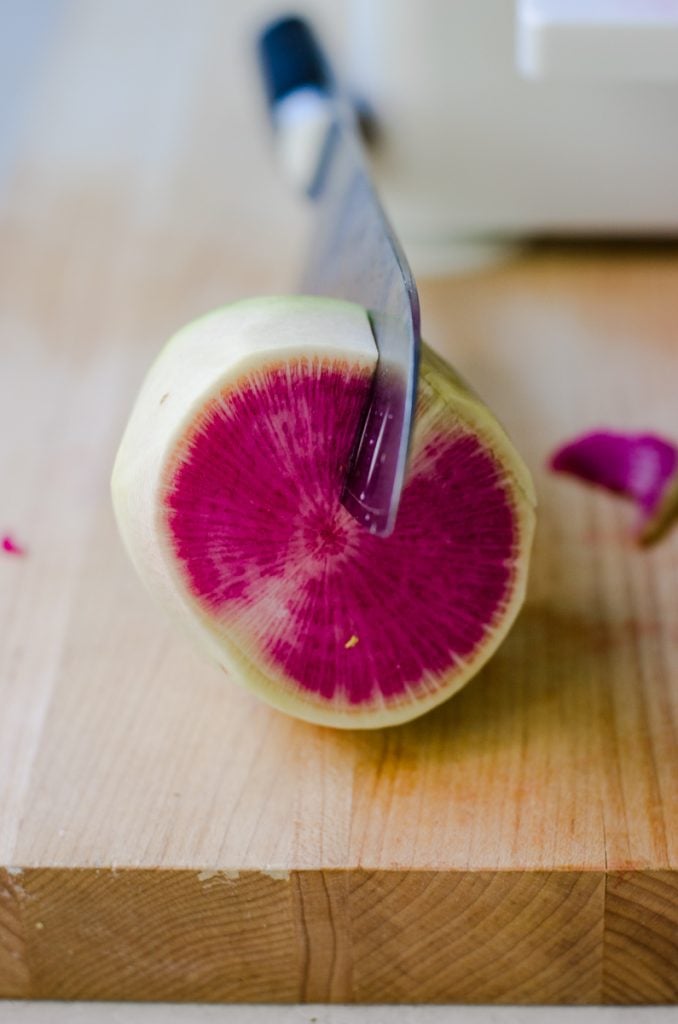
pixel 227 492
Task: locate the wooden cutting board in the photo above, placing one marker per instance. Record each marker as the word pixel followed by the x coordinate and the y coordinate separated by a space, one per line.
pixel 162 834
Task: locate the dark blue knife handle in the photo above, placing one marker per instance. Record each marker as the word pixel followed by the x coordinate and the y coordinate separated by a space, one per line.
pixel 291 59
pixel 303 101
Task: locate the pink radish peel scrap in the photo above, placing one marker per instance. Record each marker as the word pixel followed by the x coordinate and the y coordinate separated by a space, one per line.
pixel 10 546
pixel 642 467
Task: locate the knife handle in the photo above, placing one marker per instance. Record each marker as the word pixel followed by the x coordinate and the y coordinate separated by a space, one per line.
pixel 301 97
pixel 291 59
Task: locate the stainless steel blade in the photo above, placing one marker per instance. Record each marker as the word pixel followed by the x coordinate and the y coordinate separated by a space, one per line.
pixel 355 255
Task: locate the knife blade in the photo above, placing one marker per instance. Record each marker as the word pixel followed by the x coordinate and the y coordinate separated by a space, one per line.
pixel 354 254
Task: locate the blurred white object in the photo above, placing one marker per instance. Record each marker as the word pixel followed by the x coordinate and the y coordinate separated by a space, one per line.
pixel 473 149
pixel 621 40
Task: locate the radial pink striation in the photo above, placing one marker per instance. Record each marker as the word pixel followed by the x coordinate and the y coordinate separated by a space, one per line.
pixel 267 550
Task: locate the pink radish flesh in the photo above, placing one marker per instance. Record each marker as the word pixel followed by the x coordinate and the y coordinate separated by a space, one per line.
pixel 269 554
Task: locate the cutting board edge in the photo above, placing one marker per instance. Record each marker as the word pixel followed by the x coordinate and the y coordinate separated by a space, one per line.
pixel 340 935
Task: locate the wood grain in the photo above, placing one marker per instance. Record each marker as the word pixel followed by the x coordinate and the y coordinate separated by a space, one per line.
pixel 162 834
pixel 641 937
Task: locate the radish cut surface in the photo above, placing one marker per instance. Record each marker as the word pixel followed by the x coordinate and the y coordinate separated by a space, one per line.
pixel 227 489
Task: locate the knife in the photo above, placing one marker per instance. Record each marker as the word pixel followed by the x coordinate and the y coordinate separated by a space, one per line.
pixel 354 254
